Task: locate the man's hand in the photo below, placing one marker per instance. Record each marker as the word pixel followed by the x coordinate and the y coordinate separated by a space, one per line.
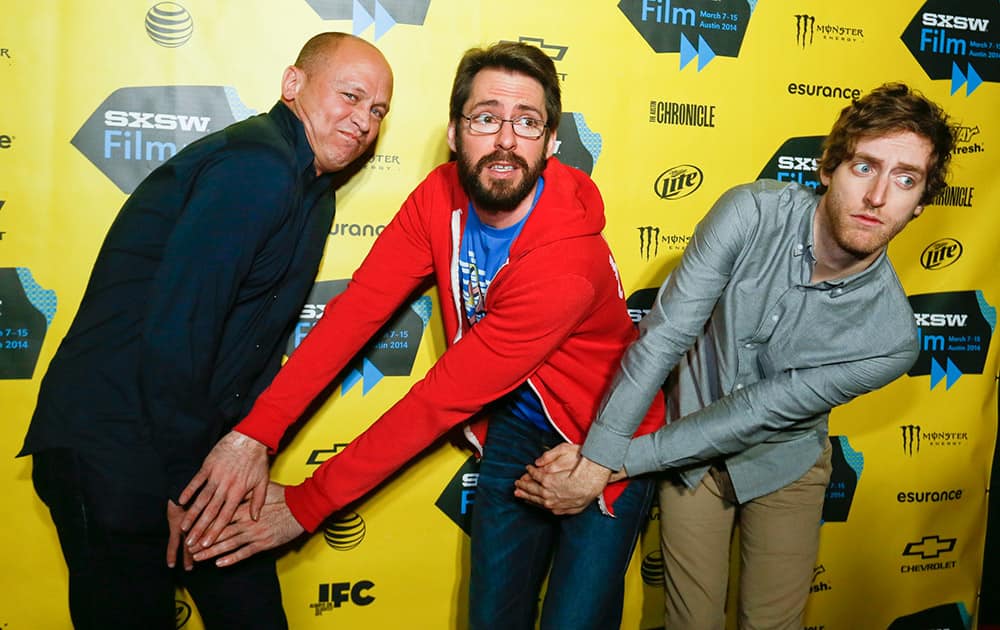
pixel 562 481
pixel 235 469
pixel 174 515
pixel 247 536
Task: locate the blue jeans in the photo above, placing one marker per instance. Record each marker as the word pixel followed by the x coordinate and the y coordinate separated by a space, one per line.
pixel 515 544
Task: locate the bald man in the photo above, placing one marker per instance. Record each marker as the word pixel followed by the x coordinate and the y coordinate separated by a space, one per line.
pixel 181 327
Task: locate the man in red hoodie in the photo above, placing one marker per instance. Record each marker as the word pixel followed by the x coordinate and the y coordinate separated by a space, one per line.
pixel 536 320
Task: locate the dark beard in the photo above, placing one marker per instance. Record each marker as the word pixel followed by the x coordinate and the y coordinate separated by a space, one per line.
pixel 501 196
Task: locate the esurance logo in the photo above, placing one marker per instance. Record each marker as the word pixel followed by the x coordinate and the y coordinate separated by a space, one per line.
pixel 941 253
pixel 169 24
pixel 678 182
pixel 956 41
pixel 390 354
pixel 691 28
pixel 576 144
pixel 6 141
pixel 807 31
pixel 384 14
pixel 136 129
pixel 847 466
pixel 796 160
pixel 26 312
pixel 954 331
pixel 459 495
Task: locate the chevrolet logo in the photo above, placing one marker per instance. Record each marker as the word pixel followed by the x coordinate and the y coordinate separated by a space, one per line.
pixel 930 547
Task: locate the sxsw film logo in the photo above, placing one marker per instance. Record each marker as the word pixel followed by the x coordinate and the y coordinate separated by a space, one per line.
pixel 344 532
pixel 136 129
pixel 954 330
pixel 26 312
pixel 942 253
pixel 693 28
pixel 951 616
pixel 847 466
pixel 336 594
pixel 650 240
pixel 914 437
pixel 678 182
pixel 640 302
pixel 169 24
pixel 384 14
pixel 957 40
pixel 796 160
pixel 577 145
pixel 459 495
pixel 806 32
pixel 928 548
pixel 391 353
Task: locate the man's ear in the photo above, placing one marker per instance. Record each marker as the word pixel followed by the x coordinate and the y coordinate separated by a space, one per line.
pixel 552 144
pixel 917 211
pixel 451 137
pixel 291 82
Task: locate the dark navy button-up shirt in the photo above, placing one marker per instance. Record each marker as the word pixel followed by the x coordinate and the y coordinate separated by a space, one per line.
pixel 189 303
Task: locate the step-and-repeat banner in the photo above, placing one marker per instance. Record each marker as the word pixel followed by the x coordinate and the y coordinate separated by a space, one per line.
pixel 667 104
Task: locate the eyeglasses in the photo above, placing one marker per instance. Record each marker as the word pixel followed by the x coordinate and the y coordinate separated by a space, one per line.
pixel 523 126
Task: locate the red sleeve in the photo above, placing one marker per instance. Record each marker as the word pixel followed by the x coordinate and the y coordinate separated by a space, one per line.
pixel 524 326
pixel 398 262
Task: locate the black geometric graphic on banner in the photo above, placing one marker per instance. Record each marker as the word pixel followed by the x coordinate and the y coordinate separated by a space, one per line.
pixel 954 329
pixel 639 303
pixel 953 616
pixel 577 145
pixel 957 40
pixel 136 129
pixel 392 350
pixel 847 467
pixel 796 160
pixel 25 312
pixel 384 14
pixel 459 496
pixel 693 28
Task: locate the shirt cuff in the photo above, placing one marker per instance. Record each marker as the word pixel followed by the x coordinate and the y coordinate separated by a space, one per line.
pixel 303 502
pixel 605 447
pixel 641 456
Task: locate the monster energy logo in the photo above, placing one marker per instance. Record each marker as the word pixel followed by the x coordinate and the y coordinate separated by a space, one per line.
pixel 804 25
pixel 649 241
pixel 911 438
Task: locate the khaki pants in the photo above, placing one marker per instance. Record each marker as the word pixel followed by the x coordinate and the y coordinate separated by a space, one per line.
pixel 779 539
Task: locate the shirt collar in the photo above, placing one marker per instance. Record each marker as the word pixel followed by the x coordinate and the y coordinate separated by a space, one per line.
pixel 803 250
pixel 293 128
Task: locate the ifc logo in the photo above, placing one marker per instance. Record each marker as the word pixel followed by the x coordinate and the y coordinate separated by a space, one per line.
pixel 345 533
pixel 169 24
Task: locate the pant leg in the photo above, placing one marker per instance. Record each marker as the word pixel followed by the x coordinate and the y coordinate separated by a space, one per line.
pixel 696 528
pixel 114 544
pixel 779 540
pixel 511 546
pixel 246 595
pixel 592 553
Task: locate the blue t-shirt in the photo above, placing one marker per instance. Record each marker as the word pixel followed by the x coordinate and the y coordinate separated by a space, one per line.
pixel 484 250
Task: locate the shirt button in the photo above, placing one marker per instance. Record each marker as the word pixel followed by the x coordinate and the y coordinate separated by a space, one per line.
pixel 237 394
pixel 739 386
pixel 256 346
pixel 749 345
pixel 774 318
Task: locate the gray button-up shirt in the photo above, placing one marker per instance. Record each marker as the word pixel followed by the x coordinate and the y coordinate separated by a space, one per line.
pixel 756 354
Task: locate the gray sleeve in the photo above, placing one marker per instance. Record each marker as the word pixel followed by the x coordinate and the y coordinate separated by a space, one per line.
pixel 751 415
pixel 678 316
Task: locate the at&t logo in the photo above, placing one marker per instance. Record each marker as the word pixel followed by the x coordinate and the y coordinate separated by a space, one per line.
pixel 678 182
pixel 344 532
pixel 169 24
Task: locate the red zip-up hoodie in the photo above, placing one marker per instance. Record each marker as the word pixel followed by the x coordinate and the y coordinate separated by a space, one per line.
pixel 556 318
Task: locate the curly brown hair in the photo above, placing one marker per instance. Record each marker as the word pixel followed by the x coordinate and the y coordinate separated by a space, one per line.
pixel 889 108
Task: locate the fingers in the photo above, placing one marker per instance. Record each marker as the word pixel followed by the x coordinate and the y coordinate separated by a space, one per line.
pixel 173 541
pixel 259 495
pixel 192 488
pixel 555 453
pixel 205 497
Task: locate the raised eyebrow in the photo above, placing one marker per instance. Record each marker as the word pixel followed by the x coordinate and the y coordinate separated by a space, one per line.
pixel 521 108
pixel 906 166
